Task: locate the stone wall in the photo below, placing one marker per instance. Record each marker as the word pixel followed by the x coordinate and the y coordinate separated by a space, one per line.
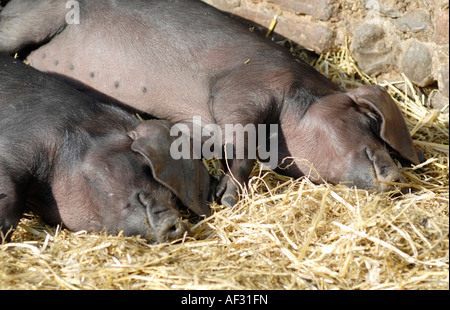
pixel 386 37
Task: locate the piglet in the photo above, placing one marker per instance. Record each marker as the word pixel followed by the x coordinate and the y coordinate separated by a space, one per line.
pixel 88 165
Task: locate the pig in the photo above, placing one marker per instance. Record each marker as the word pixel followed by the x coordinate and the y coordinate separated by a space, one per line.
pixel 89 165
pixel 181 59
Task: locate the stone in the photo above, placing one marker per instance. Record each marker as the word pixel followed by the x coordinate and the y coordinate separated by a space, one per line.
pixel 439 102
pixel 413 21
pixel 262 18
pixel 320 9
pixel 370 50
pixel 417 63
pixel 224 5
pixel 310 35
pixel 441 33
pixel 389 8
pixel 441 98
pixel 443 80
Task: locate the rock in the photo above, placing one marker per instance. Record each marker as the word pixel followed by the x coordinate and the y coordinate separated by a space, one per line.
pixel 224 5
pixel 320 9
pixel 439 101
pixel 417 62
pixel 443 80
pixel 389 8
pixel 414 21
pixel 308 34
pixel 441 33
pixel 370 50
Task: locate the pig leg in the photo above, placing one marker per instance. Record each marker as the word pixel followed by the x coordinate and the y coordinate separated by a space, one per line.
pixel 238 162
pixel 229 184
pixel 12 204
pixel 240 110
pixel 237 113
pixel 29 22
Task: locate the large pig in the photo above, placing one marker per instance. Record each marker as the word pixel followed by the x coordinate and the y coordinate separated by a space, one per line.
pixel 88 165
pixel 182 59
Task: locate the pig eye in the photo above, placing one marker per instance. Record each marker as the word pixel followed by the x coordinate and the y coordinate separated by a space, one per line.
pixel 144 199
pixel 374 124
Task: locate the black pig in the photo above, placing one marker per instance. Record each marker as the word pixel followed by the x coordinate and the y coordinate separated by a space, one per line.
pixel 180 59
pixel 88 165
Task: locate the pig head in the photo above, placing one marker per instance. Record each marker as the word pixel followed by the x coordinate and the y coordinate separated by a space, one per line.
pixel 182 59
pixel 348 137
pixel 88 165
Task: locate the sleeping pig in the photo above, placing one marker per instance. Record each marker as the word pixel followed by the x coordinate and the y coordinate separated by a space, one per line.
pixel 88 165
pixel 182 60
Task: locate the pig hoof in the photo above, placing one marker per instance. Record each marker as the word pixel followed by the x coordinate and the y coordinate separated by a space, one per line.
pixel 221 186
pixel 227 190
pixel 229 200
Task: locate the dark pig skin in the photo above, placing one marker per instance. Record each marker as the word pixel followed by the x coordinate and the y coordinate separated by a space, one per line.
pixel 88 165
pixel 176 59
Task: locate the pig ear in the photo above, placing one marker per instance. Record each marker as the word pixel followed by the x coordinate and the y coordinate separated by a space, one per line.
pixel 393 128
pixel 187 178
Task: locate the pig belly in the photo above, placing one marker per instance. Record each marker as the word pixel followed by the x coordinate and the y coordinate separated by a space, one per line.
pixel 119 72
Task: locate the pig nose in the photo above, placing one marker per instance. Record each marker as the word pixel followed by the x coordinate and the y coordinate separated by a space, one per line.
pixel 170 229
pixel 394 176
pixel 386 171
pixel 165 221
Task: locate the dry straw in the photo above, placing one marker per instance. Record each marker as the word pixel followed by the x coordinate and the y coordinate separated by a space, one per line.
pixel 283 234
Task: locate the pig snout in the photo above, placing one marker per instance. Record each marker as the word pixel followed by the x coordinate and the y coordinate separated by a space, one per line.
pixel 374 169
pixel 385 172
pixel 165 222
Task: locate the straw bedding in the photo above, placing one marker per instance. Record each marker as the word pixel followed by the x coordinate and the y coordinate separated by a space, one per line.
pixel 283 234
